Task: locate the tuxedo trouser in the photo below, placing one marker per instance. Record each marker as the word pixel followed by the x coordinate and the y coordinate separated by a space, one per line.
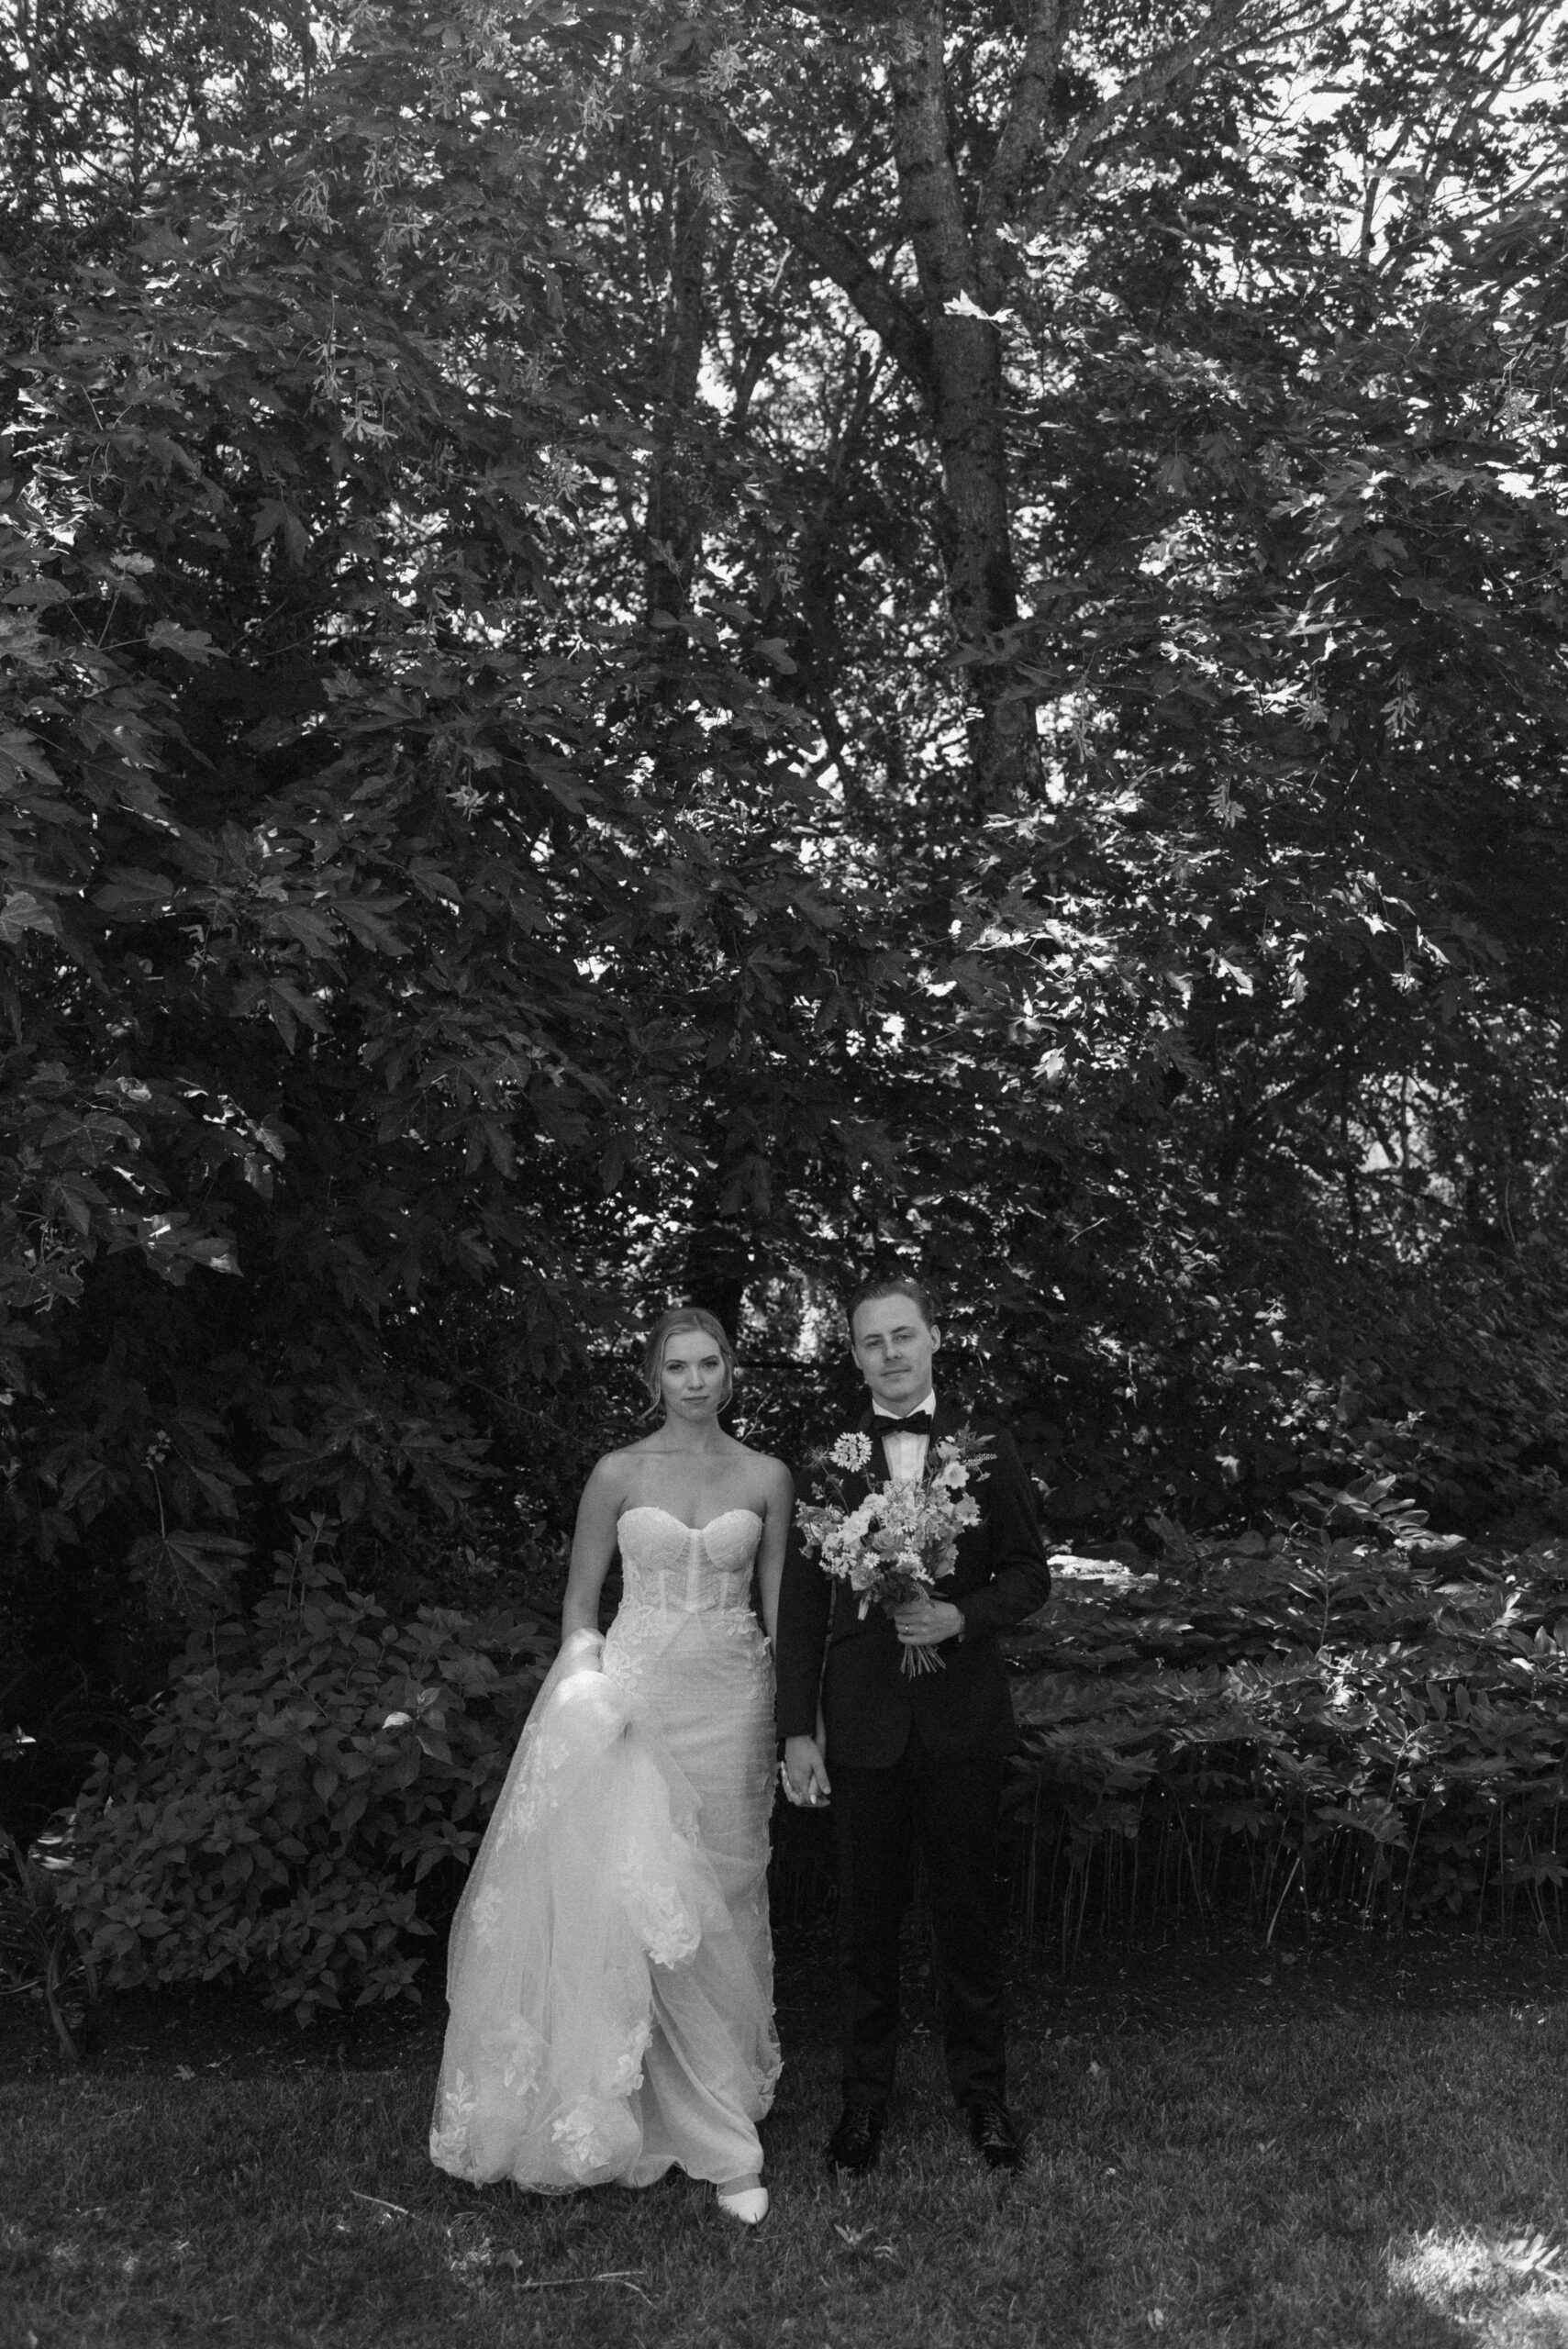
pixel 949 1807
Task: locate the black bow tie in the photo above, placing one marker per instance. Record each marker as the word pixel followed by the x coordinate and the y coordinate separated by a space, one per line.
pixel 917 1423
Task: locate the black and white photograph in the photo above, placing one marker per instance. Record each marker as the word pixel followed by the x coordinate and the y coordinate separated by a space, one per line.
pixel 783 1175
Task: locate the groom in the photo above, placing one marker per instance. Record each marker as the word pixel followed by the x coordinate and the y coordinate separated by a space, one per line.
pixel 914 1758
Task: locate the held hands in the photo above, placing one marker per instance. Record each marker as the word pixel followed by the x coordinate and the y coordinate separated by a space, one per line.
pixel 922 1622
pixel 804 1773
pixel 925 1622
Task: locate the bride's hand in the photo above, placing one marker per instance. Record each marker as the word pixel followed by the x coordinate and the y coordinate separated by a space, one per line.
pixel 805 1774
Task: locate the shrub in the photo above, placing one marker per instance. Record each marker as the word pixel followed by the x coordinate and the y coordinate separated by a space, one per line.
pixel 1354 1718
pixel 306 1796
pixel 41 1948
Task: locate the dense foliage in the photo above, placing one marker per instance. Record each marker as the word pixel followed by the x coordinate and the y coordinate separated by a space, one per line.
pixel 305 1799
pixel 1367 1721
pixel 651 652
pixel 1361 1719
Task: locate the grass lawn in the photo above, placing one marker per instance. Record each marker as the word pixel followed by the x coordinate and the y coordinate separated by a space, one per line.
pixel 1300 2163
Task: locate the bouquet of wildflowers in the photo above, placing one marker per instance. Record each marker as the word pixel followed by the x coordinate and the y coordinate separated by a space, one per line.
pixel 900 1539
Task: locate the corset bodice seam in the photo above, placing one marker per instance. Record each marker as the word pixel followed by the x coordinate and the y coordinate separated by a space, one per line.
pixel 686 1578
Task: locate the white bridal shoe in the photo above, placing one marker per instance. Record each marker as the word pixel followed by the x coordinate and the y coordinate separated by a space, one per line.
pixel 748 2204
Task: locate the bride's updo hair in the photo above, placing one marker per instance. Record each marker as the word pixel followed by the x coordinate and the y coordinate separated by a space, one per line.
pixel 685 1317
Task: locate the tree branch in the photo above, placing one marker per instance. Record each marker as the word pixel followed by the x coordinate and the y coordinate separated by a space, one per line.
pixel 828 251
pixel 1489 86
pixel 1227 32
pixel 1021 133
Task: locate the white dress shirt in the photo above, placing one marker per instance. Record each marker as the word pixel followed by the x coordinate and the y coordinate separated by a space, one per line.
pixel 906 1453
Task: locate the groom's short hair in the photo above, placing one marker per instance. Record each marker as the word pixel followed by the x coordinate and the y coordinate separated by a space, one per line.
pixel 894 1284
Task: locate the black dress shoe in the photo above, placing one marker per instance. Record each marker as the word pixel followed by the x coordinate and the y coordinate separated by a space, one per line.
pixel 856 2141
pixel 993 2135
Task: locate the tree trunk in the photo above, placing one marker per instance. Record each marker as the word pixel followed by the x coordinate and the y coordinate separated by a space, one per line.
pixel 966 392
pixel 720 1258
pixel 674 510
pixel 946 343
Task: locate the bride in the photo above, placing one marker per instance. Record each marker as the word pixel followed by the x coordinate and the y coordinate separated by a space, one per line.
pixel 610 1975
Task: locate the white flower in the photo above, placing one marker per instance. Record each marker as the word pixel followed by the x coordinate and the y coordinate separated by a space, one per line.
pixel 851 1451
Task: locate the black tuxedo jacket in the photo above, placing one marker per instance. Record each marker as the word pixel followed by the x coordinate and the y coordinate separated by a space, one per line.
pixel 1000 1575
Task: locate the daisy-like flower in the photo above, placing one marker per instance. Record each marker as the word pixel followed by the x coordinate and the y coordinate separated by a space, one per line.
pixel 852 1452
pixel 901 1538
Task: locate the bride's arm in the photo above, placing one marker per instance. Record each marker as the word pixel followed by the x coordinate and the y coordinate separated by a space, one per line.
pixel 775 1534
pixel 592 1547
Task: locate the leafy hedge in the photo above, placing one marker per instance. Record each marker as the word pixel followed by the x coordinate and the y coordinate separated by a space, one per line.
pixel 1358 1716
pixel 307 1796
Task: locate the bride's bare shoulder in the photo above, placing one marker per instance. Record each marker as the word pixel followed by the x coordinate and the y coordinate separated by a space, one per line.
pixel 611 1465
pixel 763 1458
pixel 762 1463
pixel 613 1471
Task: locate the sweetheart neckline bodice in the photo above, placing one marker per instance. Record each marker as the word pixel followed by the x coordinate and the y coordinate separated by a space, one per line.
pixel 675 1571
pixel 651 1508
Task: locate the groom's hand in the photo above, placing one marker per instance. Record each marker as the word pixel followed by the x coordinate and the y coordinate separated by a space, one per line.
pixel 806 1773
pixel 925 1622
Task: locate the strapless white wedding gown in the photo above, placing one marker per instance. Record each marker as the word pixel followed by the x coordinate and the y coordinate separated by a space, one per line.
pixel 610 1975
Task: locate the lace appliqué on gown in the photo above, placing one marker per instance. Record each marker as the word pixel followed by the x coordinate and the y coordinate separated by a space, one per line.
pixel 610 1979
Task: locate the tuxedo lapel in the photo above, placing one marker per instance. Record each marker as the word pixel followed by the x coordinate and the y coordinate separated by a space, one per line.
pixel 846 1615
pixel 878 1472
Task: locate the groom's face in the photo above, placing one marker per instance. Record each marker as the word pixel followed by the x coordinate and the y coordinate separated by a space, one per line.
pixel 894 1347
